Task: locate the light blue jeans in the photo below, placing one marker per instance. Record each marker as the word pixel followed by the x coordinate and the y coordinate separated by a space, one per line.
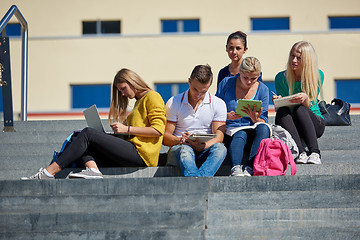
pixel 209 160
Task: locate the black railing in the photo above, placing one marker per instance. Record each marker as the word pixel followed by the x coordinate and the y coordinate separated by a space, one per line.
pixel 5 81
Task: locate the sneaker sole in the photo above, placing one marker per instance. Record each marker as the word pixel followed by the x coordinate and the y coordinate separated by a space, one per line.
pixel 85 177
pixel 311 162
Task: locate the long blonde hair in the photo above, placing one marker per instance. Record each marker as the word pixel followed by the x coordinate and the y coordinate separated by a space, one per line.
pixel 310 77
pixel 119 103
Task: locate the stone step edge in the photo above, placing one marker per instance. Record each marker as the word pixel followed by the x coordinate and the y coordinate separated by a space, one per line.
pixel 179 185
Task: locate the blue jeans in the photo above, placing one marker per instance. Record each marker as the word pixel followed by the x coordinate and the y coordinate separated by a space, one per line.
pixel 240 138
pixel 209 160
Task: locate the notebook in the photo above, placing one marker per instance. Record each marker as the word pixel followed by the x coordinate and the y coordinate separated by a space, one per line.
pixel 285 101
pixel 93 119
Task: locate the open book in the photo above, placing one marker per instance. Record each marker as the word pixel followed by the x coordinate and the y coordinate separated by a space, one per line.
pixel 285 102
pixel 232 131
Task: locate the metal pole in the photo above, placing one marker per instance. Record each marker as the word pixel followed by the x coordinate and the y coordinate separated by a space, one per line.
pixel 24 68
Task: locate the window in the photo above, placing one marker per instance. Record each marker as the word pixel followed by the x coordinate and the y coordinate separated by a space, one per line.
pixel 167 90
pixel 348 90
pixel 261 24
pixel 344 22
pixel 101 27
pixel 13 30
pixel 171 26
pixel 83 96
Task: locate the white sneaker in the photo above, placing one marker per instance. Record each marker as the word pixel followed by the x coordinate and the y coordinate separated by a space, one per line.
pixel 236 171
pixel 39 175
pixel 302 158
pixel 248 171
pixel 86 174
pixel 314 158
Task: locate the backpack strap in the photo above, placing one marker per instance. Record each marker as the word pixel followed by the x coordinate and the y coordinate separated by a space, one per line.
pixel 289 156
pixel 292 162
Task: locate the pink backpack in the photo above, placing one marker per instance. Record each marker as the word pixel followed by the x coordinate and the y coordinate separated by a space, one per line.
pixel 272 158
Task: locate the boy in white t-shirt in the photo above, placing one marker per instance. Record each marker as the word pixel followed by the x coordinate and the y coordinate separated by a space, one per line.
pixel 196 111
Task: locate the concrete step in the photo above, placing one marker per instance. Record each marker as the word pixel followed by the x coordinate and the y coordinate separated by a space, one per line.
pixel 13 167
pixel 128 172
pixel 268 212
pixel 39 137
pixel 137 234
pixel 51 125
pixel 149 186
pixel 194 208
pixel 279 225
pixel 30 149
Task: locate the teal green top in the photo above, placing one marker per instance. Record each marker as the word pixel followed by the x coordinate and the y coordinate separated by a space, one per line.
pixel 282 88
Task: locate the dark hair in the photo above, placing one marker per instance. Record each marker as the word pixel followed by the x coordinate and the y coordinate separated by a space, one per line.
pixel 238 35
pixel 202 73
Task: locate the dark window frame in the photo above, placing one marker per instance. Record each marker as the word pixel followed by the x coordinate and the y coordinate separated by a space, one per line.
pixel 101 27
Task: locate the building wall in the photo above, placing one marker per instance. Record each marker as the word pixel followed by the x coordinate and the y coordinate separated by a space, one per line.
pixel 59 55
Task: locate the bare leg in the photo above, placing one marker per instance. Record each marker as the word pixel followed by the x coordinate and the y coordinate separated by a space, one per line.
pixel 54 168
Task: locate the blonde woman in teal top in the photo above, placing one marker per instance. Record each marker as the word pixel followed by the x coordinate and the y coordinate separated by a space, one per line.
pixel 303 121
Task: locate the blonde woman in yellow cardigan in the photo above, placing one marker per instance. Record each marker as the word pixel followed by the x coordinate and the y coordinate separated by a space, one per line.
pixel 144 128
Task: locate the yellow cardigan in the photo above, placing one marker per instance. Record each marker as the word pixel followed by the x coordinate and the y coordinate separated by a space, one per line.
pixel 149 111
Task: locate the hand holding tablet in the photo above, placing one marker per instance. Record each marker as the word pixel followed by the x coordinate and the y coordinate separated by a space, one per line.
pixel 244 103
pixel 202 137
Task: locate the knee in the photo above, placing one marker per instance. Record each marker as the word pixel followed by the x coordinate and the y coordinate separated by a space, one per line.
pixel 283 111
pixel 262 130
pixel 88 131
pixel 300 110
pixel 181 152
pixel 283 114
pixel 219 148
pixel 240 135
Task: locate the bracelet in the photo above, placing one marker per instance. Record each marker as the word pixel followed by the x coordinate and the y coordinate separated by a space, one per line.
pixel 128 131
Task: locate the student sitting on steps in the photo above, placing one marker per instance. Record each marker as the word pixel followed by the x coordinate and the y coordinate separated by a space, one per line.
pixel 144 133
pixel 304 120
pixel 196 111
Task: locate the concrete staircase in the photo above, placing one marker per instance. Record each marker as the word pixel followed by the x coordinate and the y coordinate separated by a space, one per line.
pixel 320 202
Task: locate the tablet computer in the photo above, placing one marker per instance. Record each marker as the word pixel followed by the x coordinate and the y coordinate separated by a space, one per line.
pixel 202 137
pixel 244 103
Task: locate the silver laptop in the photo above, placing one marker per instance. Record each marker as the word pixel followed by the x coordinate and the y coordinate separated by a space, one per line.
pixel 93 119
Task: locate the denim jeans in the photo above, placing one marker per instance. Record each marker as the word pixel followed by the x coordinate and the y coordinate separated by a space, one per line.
pixel 198 164
pixel 240 138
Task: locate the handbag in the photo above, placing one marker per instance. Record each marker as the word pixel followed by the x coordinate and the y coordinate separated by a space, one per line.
pixel 337 113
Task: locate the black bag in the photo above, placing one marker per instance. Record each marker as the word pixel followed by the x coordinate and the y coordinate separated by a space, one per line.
pixel 337 113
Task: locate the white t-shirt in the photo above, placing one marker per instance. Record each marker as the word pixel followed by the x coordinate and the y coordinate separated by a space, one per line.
pixel 179 111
